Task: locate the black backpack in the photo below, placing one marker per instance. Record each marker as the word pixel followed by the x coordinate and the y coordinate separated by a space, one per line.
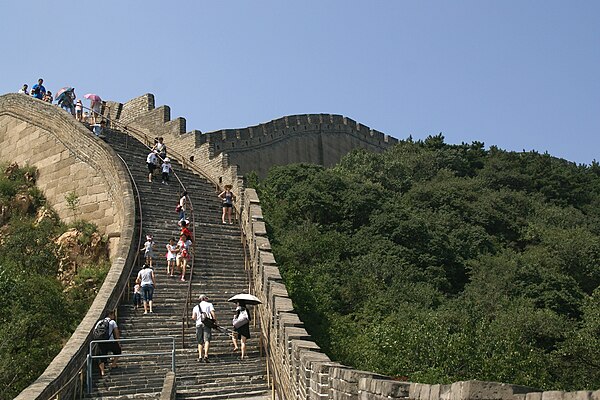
pixel 206 320
pixel 102 330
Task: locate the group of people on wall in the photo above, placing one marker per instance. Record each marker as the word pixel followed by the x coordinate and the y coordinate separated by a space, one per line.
pixel 177 257
pixel 67 100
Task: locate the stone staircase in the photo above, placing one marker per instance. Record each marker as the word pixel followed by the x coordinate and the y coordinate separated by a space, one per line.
pixel 218 272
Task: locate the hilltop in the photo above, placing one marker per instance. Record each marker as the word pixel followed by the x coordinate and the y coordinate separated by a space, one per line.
pixel 438 263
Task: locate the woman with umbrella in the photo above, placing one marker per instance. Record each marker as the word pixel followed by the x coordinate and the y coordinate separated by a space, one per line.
pixel 95 102
pixel 65 98
pixel 241 320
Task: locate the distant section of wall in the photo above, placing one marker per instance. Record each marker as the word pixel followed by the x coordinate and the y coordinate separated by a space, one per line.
pixel 310 138
pixel 69 157
pixel 314 138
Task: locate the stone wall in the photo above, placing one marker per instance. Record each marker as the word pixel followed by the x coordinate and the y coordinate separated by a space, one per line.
pixel 225 154
pixel 298 368
pixel 136 107
pixel 69 157
pixel 314 138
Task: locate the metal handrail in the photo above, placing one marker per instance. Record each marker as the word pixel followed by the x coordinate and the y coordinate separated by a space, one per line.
pixel 91 357
pixel 130 131
pixel 139 205
pixel 83 364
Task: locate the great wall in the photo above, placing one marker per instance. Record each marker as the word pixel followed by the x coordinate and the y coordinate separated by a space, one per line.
pixel 68 158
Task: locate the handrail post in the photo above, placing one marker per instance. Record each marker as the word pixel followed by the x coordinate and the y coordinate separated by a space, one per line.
pixel 173 357
pixel 88 388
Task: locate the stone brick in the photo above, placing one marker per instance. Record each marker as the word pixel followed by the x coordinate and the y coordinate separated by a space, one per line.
pixel 553 395
pixel 579 395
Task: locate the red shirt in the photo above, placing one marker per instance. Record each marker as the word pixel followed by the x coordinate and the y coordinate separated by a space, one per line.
pixel 185 231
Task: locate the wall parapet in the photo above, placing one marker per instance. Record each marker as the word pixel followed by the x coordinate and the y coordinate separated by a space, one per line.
pixel 68 155
pixel 304 138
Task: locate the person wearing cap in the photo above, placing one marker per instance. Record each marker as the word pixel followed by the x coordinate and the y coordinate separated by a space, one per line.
pixel 166 170
pixel 201 312
pixel 146 277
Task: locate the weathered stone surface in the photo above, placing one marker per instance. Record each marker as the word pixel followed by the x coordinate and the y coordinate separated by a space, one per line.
pixel 552 395
pixel 42 135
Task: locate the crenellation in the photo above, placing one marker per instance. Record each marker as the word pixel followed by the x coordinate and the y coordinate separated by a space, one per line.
pixel 176 126
pixel 245 134
pixel 269 128
pixel 350 122
pixel 279 124
pixel 137 107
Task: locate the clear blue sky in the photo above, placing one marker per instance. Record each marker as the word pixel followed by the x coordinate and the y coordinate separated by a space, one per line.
pixel 522 75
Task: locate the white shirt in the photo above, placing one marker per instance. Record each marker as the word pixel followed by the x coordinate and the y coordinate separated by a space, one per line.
pixel 170 254
pixel 204 307
pixel 145 276
pixel 151 159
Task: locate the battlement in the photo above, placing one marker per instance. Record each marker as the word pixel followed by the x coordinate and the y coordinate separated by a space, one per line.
pixel 304 138
pixel 284 127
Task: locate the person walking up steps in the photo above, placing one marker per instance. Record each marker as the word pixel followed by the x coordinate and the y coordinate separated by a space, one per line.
pixel 137 295
pixel 110 331
pixel 204 315
pixel 241 325
pixel 146 277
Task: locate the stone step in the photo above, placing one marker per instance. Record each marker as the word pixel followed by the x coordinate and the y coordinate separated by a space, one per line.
pixel 218 272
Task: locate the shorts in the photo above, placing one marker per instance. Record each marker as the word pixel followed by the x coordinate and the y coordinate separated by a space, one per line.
pixel 149 254
pixel 147 292
pixel 244 331
pixel 171 258
pixel 203 334
pixel 151 167
pixel 227 205
pixel 108 347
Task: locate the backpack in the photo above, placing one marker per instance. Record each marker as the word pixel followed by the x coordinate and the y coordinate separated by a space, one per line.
pixel 205 319
pixel 102 330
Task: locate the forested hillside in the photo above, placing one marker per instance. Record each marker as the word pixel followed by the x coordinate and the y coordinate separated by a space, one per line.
pixel 438 263
pixel 49 275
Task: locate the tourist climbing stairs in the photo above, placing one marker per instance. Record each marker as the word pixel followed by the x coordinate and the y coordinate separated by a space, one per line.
pixel 218 272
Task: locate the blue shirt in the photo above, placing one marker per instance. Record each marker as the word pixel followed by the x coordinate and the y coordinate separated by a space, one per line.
pixel 40 94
